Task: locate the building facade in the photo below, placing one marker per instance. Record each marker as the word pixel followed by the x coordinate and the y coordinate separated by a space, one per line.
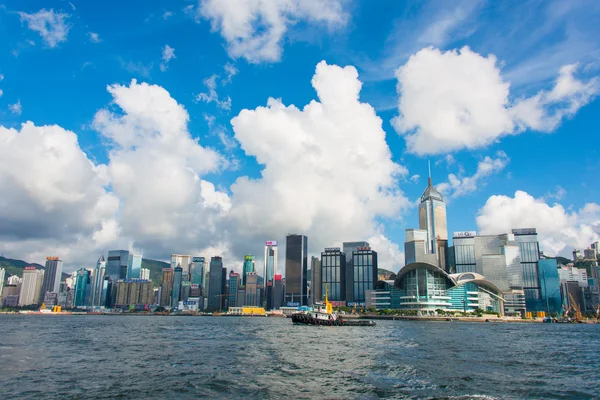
pixel 333 273
pixel 166 287
pixel 82 288
pixel 316 281
pixel 197 272
pixel 364 264
pixel 134 266
pixel 296 270
pixel 52 275
pixel 215 293
pixel 247 267
pixel 31 286
pixel 270 269
pixel 177 284
pixel 183 261
pixel 348 248
pixel 278 292
pixel 117 264
pixel 134 292
pixel 252 293
pixel 432 218
pixel 234 285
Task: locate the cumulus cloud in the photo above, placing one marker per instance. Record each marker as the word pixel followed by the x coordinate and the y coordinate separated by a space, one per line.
pixel 327 170
pixel 16 108
pixel 559 230
pixel 254 30
pixel 461 185
pixel 211 95
pixel 94 37
pixel 168 53
pixel 51 25
pixel 458 99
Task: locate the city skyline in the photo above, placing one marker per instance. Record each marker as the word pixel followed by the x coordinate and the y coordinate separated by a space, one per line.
pixel 133 133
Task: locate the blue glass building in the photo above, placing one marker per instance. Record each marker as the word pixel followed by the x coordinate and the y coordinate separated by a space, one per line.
pixel 82 288
pixel 176 293
pixel 551 300
pixel 134 266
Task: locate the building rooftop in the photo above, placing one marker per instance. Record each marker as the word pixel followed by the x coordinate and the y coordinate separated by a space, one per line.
pixel 431 193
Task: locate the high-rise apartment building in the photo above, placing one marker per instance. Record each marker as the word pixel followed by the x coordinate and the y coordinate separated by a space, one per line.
pixel 117 264
pixel 145 274
pixel 52 275
pixel 432 218
pixel 315 279
pixel 166 287
pixel 215 285
pixel 270 269
pixel 248 267
pixel 296 270
pixel 333 273
pixel 176 292
pixel 31 286
pixel 134 266
pixel 132 292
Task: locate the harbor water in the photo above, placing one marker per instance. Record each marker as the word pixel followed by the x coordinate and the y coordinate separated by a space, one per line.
pixel 107 357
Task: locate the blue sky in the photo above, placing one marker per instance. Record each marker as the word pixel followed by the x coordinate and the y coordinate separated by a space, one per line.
pixel 501 97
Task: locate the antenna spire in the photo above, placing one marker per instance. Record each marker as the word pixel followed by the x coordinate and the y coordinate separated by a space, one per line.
pixel 429 168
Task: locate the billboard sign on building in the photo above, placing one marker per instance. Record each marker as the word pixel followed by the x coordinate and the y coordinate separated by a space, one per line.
pixel 464 234
pixel 29 268
pixel 197 259
pixel 271 243
pixel 249 257
pixel 524 231
pixel 293 304
pixel 51 258
pixel 363 248
pixel 332 249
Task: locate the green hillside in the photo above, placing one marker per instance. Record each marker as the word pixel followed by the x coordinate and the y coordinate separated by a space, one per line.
pixel 15 267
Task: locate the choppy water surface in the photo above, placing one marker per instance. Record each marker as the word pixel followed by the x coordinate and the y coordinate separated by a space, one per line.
pixel 190 357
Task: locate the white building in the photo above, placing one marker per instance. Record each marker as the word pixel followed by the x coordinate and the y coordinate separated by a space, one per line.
pixel 572 274
pixel 183 261
pixel 31 287
pixel 145 274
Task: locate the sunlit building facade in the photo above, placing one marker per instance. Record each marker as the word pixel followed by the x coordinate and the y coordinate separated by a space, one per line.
pixel 333 273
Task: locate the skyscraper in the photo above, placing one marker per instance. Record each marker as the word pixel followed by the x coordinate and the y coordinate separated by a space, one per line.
pixel 315 279
pixel 270 261
pixel 134 266
pixel 348 248
pixel 252 294
pixel 145 274
pixel 97 286
pixel 364 264
pixel 215 284
pixel 333 273
pixel 296 270
pixel 52 275
pixel 2 272
pixel 432 218
pixel 234 282
pixel 82 288
pixel 31 287
pixel 183 261
pixel 530 254
pixel 248 267
pixel 166 288
pixel 176 292
pixel 117 264
pixel 197 272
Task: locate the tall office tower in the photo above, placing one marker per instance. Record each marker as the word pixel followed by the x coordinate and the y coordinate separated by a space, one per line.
pixel 364 263
pixel 315 279
pixel 333 273
pixel 31 287
pixel 134 266
pixel 215 284
pixel 97 286
pixel 415 248
pixel 248 267
pixel 596 247
pixel 270 261
pixel 145 274
pixel 183 261
pixel 252 294
pixel 166 288
pixel 116 264
pixel 234 283
pixel 224 289
pixel 2 273
pixel 197 271
pixel 348 248
pixel 278 292
pixel 432 218
pixel 530 254
pixel 296 270
pixel 176 292
pixel 577 255
pixel 52 275
pixel 82 288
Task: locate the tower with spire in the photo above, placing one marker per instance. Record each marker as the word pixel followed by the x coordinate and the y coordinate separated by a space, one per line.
pixel 432 218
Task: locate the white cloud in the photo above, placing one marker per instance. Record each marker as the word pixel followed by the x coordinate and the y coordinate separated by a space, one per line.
pixel 210 119
pixel 254 30
pixel 51 25
pixel 16 108
pixel 231 71
pixel 1 92
pixel 462 185
pixel 327 171
pixel 458 99
pixel 211 95
pixel 168 14
pixel 415 178
pixel 94 37
pixel 168 53
pixel 559 231
pixel 137 68
pixel 1 77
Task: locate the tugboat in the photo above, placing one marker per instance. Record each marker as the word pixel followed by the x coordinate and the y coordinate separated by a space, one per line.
pixel 321 314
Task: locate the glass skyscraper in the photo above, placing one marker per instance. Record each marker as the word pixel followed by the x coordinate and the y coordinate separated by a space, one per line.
pixel 364 263
pixel 82 288
pixel 52 275
pixel 530 255
pixel 247 267
pixel 333 273
pixel 197 273
pixel 176 293
pixel 215 284
pixel 270 261
pixel 234 281
pixel 296 270
pixel 117 264
pixel 348 248
pixel 134 266
pixel 550 286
